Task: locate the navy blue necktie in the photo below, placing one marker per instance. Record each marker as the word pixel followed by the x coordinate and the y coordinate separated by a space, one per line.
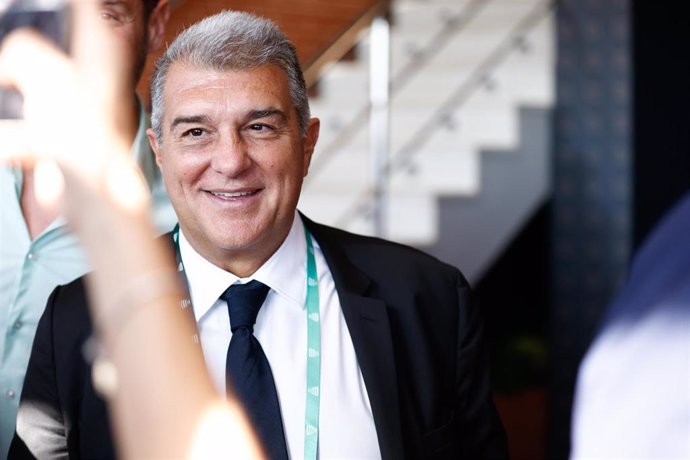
pixel 247 371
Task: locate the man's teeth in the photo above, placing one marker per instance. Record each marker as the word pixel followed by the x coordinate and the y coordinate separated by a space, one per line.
pixel 231 194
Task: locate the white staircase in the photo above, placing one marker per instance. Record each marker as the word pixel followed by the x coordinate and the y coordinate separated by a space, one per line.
pixel 461 72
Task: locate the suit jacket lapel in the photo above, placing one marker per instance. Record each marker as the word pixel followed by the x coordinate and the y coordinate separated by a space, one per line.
pixel 368 324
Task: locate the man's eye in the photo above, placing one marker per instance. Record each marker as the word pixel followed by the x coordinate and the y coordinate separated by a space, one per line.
pixel 116 15
pixel 194 132
pixel 258 127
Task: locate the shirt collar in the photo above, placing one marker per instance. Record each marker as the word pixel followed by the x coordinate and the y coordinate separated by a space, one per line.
pixel 18 176
pixel 18 180
pixel 284 272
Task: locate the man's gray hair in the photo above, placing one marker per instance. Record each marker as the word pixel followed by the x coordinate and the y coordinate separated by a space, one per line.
pixel 231 40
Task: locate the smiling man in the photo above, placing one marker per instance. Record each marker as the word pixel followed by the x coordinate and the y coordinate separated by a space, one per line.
pixel 233 155
pixel 361 348
pixel 37 250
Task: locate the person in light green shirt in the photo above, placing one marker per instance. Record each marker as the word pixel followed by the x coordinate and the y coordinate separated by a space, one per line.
pixel 37 250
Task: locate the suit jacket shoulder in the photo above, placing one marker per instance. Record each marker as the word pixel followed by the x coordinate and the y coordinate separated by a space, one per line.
pixel 419 341
pixel 383 259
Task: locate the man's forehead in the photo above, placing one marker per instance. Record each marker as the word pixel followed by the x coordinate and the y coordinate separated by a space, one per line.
pixel 181 73
pixel 193 90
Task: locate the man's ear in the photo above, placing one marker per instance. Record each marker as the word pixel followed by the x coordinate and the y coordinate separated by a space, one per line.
pixel 156 26
pixel 310 142
pixel 153 140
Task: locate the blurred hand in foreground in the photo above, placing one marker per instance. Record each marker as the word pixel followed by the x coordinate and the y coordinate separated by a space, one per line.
pixel 72 118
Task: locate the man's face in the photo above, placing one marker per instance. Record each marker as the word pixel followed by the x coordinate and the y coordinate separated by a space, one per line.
pixel 233 160
pixel 137 35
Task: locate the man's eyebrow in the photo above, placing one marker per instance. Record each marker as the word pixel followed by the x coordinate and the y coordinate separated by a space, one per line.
pixel 187 120
pixel 113 3
pixel 119 6
pixel 265 113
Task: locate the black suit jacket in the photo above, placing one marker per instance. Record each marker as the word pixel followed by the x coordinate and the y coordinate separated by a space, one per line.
pixel 416 333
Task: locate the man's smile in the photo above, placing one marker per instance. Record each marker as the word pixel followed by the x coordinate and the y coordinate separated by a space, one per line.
pixel 234 195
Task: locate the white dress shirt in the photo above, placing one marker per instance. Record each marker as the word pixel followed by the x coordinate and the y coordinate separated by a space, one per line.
pixel 346 428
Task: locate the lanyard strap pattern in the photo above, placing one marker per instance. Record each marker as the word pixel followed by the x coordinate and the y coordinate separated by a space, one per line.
pixel 311 416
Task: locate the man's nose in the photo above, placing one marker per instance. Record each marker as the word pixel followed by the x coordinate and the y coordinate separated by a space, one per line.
pixel 231 158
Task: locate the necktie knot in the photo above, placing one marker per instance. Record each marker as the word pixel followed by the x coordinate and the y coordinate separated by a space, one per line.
pixel 244 302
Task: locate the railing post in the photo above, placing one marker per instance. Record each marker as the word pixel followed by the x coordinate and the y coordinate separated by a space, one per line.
pixel 379 120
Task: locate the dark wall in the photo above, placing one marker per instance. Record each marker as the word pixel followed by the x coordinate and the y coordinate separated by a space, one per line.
pixel 592 193
pixel 514 296
pixel 661 93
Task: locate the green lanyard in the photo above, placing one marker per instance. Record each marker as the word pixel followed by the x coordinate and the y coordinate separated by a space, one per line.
pixel 311 415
